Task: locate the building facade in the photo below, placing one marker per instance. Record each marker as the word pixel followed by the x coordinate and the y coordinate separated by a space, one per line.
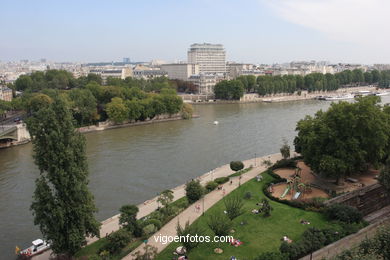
pixel 5 93
pixel 211 58
pixel 181 71
pixel 115 72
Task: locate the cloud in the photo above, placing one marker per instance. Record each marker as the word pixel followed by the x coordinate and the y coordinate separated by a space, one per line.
pixel 363 22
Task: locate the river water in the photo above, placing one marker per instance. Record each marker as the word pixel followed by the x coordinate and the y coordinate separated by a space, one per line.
pixel 131 165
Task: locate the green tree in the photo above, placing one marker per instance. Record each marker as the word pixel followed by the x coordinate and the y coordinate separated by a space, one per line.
pixel 149 253
pixel 165 198
pixel 117 241
pixel 128 219
pixel 345 139
pixel 266 208
pixel 62 205
pixel 233 206
pixel 236 165
pixel 117 111
pixel 37 102
pixel 220 224
pixel 285 149
pixel 194 191
pixel 191 230
pixel 83 105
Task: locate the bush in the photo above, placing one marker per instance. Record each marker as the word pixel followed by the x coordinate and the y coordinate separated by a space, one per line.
pixel 343 213
pixel 194 191
pixel 266 208
pixel 211 185
pixel 271 256
pixel 157 223
pixel 191 230
pixel 284 163
pixel 233 206
pixel 221 180
pixel 117 241
pixel 236 165
pixel 220 224
pixel 248 195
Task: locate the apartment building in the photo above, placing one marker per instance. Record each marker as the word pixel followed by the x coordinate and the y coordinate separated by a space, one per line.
pixel 5 93
pixel 181 71
pixel 211 58
pixel 115 72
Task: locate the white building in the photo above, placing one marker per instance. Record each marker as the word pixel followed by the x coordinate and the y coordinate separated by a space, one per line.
pixel 5 93
pixel 145 72
pixel 181 71
pixel 211 58
pixel 205 82
pixel 115 72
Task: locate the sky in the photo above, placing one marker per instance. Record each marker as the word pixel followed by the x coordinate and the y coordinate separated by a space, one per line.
pixel 252 31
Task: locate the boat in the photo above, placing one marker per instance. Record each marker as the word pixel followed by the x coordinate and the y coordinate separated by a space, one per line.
pixel 38 246
pixel 343 97
pixel 363 93
pixel 216 123
pixel 382 94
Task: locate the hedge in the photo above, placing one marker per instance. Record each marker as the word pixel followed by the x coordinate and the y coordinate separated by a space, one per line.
pixel 221 180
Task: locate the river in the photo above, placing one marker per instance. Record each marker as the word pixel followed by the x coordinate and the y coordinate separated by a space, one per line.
pixel 131 165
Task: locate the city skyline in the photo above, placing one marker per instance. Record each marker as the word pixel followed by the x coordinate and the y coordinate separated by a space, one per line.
pixel 252 31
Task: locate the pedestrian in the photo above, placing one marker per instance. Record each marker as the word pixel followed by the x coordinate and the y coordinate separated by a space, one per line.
pixel 231 182
pixel 223 192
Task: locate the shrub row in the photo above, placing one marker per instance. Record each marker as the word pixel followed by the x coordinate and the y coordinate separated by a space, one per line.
pixel 221 180
pixel 313 239
pixel 284 163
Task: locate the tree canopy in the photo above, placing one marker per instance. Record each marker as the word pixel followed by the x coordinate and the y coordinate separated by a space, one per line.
pixel 62 205
pixel 345 139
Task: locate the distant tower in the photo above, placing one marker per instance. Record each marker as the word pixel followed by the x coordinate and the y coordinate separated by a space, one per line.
pixel 126 60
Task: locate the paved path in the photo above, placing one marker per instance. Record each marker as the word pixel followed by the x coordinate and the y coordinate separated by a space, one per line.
pixel 112 224
pixel 190 214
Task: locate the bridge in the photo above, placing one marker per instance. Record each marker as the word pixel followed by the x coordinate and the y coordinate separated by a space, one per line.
pixel 13 134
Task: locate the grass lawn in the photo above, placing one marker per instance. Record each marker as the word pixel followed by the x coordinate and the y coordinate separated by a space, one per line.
pixel 94 248
pixel 259 234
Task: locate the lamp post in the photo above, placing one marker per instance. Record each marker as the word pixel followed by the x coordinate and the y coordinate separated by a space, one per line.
pixel 255 160
pixel 203 206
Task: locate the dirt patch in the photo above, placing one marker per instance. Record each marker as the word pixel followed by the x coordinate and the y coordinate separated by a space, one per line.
pixel 279 189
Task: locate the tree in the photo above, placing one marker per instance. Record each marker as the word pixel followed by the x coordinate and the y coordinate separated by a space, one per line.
pixel 344 139
pixel 236 165
pixel 116 110
pixel 285 149
pixel 37 102
pixel 117 241
pixel 384 176
pixel 229 90
pixel 266 208
pixel 128 219
pixel 150 253
pixel 189 230
pixel 84 105
pixel 62 205
pixel 220 224
pixel 165 198
pixel 194 191
pixel 233 206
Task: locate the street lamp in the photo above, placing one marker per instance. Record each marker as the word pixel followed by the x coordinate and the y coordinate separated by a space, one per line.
pixel 203 206
pixel 255 160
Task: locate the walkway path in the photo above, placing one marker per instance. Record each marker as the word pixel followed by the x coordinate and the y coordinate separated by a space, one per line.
pixel 112 224
pixel 209 200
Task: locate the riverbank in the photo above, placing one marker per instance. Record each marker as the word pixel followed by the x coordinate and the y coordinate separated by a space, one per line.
pixel 101 126
pixel 112 224
pixel 304 95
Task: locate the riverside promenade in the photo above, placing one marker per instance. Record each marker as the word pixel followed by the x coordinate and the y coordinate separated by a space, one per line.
pixel 190 214
pixel 112 224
